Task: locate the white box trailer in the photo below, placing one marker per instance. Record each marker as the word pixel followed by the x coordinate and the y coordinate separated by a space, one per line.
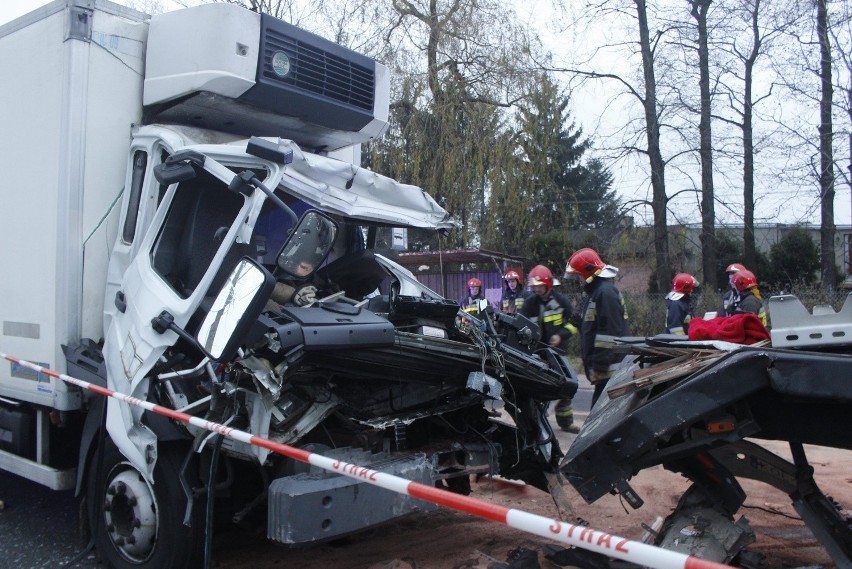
pixel 71 91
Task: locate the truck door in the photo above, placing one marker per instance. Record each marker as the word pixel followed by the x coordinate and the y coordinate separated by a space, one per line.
pixel 142 195
pixel 199 232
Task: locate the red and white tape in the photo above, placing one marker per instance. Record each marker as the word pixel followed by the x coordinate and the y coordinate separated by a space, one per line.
pixel 570 534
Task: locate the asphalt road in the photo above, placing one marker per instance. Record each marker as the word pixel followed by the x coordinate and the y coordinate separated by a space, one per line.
pixel 39 527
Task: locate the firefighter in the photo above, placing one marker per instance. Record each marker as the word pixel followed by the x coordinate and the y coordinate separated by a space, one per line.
pixel 730 296
pixel 513 293
pixel 603 312
pixel 680 304
pixel 552 311
pixel 749 299
pixel 472 302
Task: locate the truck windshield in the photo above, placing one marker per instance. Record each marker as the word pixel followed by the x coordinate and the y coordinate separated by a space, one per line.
pixel 201 212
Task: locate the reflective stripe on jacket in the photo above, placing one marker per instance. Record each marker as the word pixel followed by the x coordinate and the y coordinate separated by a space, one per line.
pixel 470 304
pixel 554 315
pixel 513 302
pixel 677 316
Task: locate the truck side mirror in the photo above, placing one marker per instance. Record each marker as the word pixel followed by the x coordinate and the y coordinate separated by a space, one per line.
pixel 179 167
pixel 308 245
pixel 235 310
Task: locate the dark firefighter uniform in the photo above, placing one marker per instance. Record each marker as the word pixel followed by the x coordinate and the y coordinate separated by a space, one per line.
pixel 603 312
pixel 470 304
pixel 554 316
pixel 513 300
pixel 678 315
pixel 749 302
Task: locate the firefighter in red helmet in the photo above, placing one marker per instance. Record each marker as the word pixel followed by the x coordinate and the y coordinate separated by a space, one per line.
pixel 680 304
pixel 730 296
pixel 552 311
pixel 749 299
pixel 472 303
pixel 603 312
pixel 513 293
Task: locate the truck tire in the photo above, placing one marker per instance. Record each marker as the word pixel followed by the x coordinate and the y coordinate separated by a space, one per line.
pixel 136 525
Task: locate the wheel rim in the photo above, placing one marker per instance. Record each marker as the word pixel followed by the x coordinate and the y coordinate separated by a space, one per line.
pixel 130 513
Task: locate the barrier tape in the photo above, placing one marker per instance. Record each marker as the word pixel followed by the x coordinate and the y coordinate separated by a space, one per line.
pixel 570 534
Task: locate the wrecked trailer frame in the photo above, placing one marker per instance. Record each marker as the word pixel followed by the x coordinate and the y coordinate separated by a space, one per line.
pixel 697 424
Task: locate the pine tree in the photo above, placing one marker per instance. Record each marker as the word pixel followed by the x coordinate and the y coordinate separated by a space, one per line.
pixel 548 190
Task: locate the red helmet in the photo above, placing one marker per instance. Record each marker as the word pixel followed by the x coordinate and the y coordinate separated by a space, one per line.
pixel 684 283
pixel 474 282
pixel 735 268
pixel 512 274
pixel 744 280
pixel 585 262
pixel 541 275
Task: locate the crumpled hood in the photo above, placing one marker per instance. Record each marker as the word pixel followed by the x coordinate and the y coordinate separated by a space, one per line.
pixel 341 188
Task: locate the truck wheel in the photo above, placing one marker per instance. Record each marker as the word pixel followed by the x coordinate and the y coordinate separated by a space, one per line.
pixel 139 525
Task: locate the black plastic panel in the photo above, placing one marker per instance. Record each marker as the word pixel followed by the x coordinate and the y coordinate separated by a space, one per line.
pixel 322 83
pixel 771 394
pixel 338 326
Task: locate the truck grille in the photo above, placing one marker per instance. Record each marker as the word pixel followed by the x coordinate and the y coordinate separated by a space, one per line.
pixel 317 71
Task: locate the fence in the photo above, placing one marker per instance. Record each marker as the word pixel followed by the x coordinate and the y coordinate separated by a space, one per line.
pixel 456 284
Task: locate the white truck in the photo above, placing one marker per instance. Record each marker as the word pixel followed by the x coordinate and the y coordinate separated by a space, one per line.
pixel 163 179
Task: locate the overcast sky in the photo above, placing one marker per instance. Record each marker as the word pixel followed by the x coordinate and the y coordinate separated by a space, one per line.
pixel 10 10
pixel 589 110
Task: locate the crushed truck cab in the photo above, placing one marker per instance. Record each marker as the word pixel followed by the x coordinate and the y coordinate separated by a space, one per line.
pixel 189 225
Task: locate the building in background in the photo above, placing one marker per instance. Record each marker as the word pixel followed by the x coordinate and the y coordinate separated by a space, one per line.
pixel 447 272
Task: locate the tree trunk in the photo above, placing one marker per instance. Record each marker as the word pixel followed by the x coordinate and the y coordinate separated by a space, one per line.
pixel 847 269
pixel 663 273
pixel 826 175
pixel 749 248
pixel 708 211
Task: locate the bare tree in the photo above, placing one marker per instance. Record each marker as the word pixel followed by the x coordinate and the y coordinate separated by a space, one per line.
pixel 473 60
pixel 842 37
pixel 826 134
pixel 743 106
pixel 646 95
pixel 655 156
pixel 749 60
pixel 698 10
pixel 756 27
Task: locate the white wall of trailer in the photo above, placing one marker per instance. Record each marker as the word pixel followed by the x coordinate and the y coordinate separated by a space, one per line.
pixel 66 108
